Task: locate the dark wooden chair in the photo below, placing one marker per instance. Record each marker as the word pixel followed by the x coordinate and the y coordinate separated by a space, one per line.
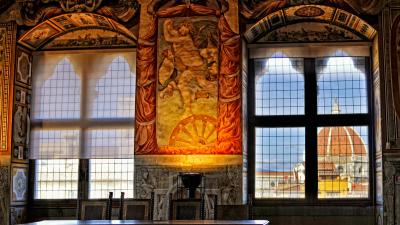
pixel 186 209
pixel 234 212
pixel 136 209
pixel 95 209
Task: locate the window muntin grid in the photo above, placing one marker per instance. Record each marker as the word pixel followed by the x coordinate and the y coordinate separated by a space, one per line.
pixel 56 178
pixel 343 162
pixel 357 81
pixel 108 175
pixel 342 81
pixel 52 141
pixel 109 142
pixel 279 86
pixel 114 93
pixel 59 96
pixel 56 143
pixel 280 162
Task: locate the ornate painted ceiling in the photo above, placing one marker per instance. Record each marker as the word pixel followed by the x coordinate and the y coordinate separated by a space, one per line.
pixel 337 24
pixel 78 30
pixel 256 9
pixel 32 12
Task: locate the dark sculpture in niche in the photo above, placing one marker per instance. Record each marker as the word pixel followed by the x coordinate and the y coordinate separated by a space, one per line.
pixel 33 12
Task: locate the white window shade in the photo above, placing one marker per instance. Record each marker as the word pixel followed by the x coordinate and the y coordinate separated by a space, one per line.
pixel 55 144
pixel 112 94
pixel 109 143
pixel 85 96
pixel 57 91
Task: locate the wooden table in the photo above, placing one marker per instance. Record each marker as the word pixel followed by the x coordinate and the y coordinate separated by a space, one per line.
pixel 150 222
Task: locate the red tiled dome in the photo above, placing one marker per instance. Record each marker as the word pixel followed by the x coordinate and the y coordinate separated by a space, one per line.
pixel 340 141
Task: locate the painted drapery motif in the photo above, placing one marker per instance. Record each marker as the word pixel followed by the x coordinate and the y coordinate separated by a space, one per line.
pixel 207 116
pixel 187 85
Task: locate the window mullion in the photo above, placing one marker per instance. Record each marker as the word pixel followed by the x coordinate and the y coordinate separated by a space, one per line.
pixel 371 128
pixel 311 184
pixel 251 129
pixel 83 186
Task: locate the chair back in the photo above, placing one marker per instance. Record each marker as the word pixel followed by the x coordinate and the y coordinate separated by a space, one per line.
pixel 93 209
pixel 109 206
pixel 234 212
pixel 137 209
pixel 186 209
pixel 121 206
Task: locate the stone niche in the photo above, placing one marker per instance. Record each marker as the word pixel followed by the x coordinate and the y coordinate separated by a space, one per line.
pixel 159 174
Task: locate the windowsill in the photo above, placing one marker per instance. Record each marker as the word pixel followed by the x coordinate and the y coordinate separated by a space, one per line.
pixel 67 203
pixel 303 202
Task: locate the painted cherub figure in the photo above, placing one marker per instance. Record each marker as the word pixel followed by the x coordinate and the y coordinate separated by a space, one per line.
pixel 187 60
pixel 187 55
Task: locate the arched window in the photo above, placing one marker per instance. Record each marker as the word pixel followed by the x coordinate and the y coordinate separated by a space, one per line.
pixel 309 123
pixel 83 116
